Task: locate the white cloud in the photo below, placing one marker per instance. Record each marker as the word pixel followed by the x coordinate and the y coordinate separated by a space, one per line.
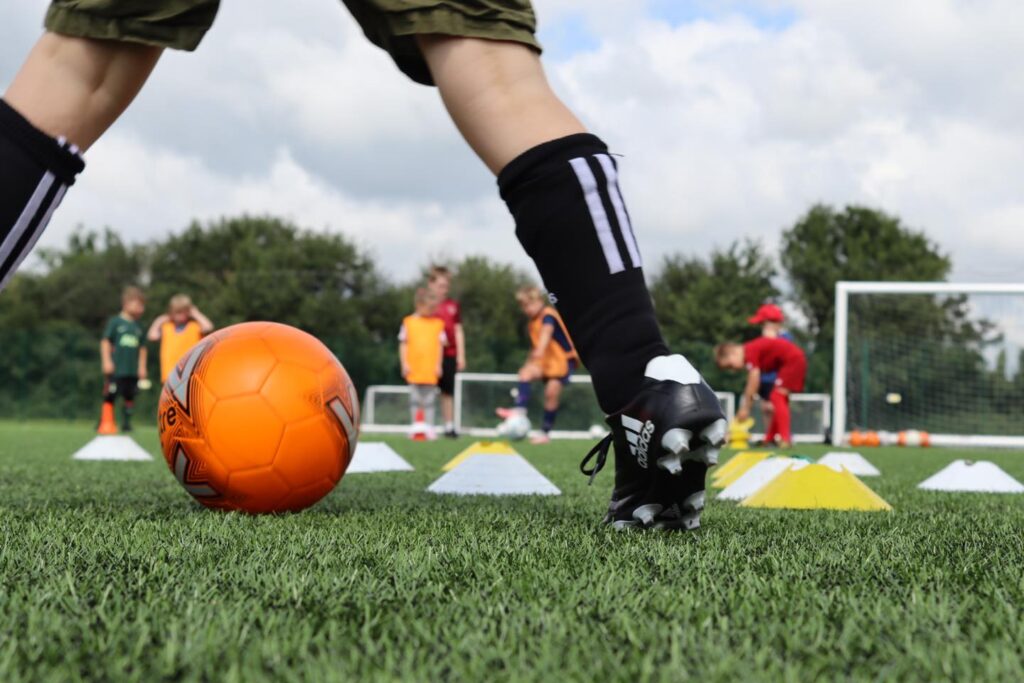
pixel 730 128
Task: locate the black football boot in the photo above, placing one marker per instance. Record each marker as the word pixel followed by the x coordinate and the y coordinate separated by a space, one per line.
pixel 665 439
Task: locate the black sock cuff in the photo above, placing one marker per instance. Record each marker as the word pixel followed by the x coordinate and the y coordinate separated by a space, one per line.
pixel 551 153
pixel 59 157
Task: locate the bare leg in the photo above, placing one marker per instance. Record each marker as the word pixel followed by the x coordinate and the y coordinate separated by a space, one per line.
pixel 552 394
pixel 498 96
pixel 417 402
pixel 430 407
pixel 77 87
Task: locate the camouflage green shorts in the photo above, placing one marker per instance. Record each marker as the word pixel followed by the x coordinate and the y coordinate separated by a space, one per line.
pixel 389 24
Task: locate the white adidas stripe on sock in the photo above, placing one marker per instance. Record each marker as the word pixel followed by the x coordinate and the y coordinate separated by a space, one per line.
pixel 612 177
pixel 592 196
pixel 31 223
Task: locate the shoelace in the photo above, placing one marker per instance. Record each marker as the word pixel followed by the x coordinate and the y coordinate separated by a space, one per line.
pixel 600 449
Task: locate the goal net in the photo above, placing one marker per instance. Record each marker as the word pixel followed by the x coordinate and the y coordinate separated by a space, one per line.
pixel 945 358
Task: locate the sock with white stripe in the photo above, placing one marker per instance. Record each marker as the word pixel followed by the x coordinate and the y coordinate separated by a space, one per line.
pixel 35 172
pixel 572 221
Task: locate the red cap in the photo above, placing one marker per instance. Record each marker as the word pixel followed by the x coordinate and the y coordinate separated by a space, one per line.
pixel 767 313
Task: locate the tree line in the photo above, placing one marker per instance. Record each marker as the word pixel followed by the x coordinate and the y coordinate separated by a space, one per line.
pixel 267 268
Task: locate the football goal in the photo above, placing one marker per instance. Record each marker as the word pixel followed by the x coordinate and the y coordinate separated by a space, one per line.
pixel 945 358
pixel 386 407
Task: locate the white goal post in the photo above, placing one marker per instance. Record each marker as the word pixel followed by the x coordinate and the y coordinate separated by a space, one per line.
pixel 949 427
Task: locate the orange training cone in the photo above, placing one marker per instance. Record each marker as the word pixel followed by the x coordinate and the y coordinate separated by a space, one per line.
pixel 107 423
pixel 419 426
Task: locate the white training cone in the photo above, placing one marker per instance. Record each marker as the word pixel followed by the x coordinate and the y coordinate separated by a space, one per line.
pixel 377 457
pixel 855 462
pixel 757 476
pixel 112 448
pixel 964 475
pixel 494 475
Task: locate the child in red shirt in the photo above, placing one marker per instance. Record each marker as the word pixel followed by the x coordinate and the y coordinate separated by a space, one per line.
pixel 764 355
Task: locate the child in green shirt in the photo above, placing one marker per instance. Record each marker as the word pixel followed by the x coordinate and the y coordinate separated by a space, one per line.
pixel 123 356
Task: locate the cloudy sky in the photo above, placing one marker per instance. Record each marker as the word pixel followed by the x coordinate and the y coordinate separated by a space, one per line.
pixel 733 117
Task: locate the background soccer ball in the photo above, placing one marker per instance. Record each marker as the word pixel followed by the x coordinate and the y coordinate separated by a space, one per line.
pixel 259 417
pixel 515 427
pixel 913 437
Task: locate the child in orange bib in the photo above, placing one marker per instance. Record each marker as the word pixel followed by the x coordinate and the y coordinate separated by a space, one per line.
pixel 552 359
pixel 421 343
pixel 178 330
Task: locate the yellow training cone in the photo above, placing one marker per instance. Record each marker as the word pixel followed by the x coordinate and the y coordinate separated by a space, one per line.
pixel 488 447
pixel 816 487
pixel 736 467
pixel 739 434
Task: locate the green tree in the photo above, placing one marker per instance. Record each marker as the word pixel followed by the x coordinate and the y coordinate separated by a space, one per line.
pixel 857 243
pixel 826 246
pixel 236 269
pixel 51 320
pixel 265 268
pixel 80 284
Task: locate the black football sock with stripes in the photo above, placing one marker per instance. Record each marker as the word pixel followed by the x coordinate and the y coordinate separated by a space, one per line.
pixel 35 172
pixel 572 221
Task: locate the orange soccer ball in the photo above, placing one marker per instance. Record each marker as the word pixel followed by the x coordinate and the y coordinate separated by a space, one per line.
pixel 259 417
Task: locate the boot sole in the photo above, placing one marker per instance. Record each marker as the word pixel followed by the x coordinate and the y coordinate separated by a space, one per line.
pixel 677 444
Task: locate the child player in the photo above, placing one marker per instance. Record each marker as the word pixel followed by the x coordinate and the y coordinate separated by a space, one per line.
pixel 421 342
pixel 123 357
pixel 762 355
pixel 177 330
pixel 439 282
pixel 770 318
pixel 559 181
pixel 552 359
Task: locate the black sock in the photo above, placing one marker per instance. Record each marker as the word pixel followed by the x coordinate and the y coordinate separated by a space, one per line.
pixel 571 219
pixel 35 172
pixel 549 420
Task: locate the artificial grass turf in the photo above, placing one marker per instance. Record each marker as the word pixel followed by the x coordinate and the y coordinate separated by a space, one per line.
pixel 109 571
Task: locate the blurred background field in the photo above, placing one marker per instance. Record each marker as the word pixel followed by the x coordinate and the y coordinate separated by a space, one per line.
pixel 950 358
